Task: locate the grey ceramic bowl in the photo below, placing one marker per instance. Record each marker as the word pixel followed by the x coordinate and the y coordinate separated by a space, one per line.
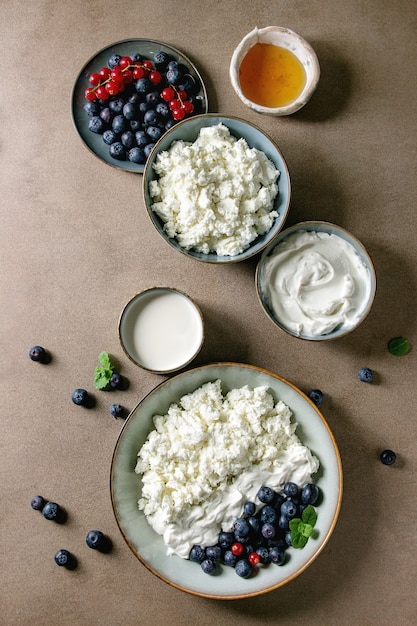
pixel 366 267
pixel 188 130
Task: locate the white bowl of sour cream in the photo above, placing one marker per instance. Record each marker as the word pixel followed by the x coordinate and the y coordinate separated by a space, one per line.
pixel 316 281
pixel 161 329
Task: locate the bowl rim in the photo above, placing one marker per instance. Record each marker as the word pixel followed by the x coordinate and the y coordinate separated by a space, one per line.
pixel 142 294
pixel 330 228
pixel 308 89
pixel 284 173
pixel 334 517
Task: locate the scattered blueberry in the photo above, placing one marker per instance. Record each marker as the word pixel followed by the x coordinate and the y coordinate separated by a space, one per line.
pixel 249 508
pixel 268 531
pixel 118 151
pixel 365 375
pixel 114 60
pixel 225 539
pixel 310 493
pixel 276 555
pixel 97 540
pixel 268 514
pixel 52 511
pixel 289 508
pixel 290 489
pixel 64 558
pixel 96 125
pixel 117 410
pixel 214 553
pixel 229 558
pixel 243 568
pixel 136 155
pixel 241 527
pixel 117 381
pixel 81 397
pixel 388 457
pixel 197 554
pixel 37 503
pixel 38 354
pixel 316 396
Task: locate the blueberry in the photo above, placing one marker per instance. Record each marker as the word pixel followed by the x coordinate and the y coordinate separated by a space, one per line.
pixel 154 132
pixel 63 558
pixel 153 97
pixel 96 125
pixel 284 522
pixel 214 553
pixel 136 57
pixel 243 568
pixel 241 527
pixel 208 566
pixel 136 155
pixel 268 531
pixel 38 354
pixel 197 554
pixel 162 109
pixel 288 540
pixel 170 123
pixel 109 136
pixel 117 105
pixel 91 108
pixel 310 493
pixel 130 111
pixel 229 558
pixel 266 494
pixel 114 60
pixel 276 555
pixel 51 511
pixel 151 117
pixel 142 139
pixel 365 375
pixel 254 523
pixel 37 503
pixel 148 149
pixel 80 397
pixel 143 85
pixel 290 489
pixel 263 553
pixel 174 76
pixel 117 410
pixel 388 457
pixel 289 508
pixel 135 125
pixel 268 514
pixel 145 106
pixel 161 60
pixel 118 151
pixel 225 539
pixel 119 124
pixel 128 139
pixel 106 115
pixel 97 540
pixel 316 396
pixel 117 381
pixel 249 508
pixel 189 85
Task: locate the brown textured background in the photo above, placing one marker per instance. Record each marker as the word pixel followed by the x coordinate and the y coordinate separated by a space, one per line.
pixel 76 244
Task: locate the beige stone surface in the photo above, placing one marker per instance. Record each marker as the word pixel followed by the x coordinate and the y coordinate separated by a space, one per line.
pixel 76 244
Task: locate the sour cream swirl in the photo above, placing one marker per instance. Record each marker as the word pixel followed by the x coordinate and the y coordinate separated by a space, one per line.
pixel 315 282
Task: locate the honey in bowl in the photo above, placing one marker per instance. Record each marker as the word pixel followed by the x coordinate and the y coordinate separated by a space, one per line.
pixel 271 76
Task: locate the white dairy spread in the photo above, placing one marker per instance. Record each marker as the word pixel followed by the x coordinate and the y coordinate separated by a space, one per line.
pixel 315 282
pixel 210 454
pixel 215 194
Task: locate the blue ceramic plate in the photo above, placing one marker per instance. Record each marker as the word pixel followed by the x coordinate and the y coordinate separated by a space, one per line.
pixel 128 47
pixel 125 484
pixel 188 130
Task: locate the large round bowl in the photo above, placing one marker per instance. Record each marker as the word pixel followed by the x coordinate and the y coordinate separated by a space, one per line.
pixel 352 318
pixel 188 130
pixel 125 484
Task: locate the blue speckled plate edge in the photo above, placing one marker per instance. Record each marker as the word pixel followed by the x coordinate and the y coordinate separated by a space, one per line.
pixel 148 547
pixel 125 47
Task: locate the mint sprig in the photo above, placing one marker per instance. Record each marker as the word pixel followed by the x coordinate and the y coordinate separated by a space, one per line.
pixel 302 529
pixel 103 372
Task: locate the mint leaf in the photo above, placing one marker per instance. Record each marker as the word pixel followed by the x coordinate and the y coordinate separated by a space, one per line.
pixel 298 540
pixel 104 372
pixel 296 524
pixel 309 516
pixel 307 531
pixel 398 346
pixel 104 360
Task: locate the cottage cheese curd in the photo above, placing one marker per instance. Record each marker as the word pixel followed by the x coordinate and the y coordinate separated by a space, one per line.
pixel 315 282
pixel 210 454
pixel 215 194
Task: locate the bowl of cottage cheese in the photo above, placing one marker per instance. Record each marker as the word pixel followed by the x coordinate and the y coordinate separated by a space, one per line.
pixel 196 448
pixel 216 188
pixel 316 281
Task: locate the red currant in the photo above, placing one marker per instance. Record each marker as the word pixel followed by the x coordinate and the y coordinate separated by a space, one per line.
pixel 102 93
pixel 90 94
pixel 117 74
pixel 128 77
pixel 254 558
pixel 237 548
pixel 178 114
pixel 105 73
pixel 167 94
pixel 125 62
pixel 112 87
pixel 155 77
pixel 148 65
pixel 95 79
pixel 188 107
pixel 182 95
pixel 174 104
pixel 138 72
